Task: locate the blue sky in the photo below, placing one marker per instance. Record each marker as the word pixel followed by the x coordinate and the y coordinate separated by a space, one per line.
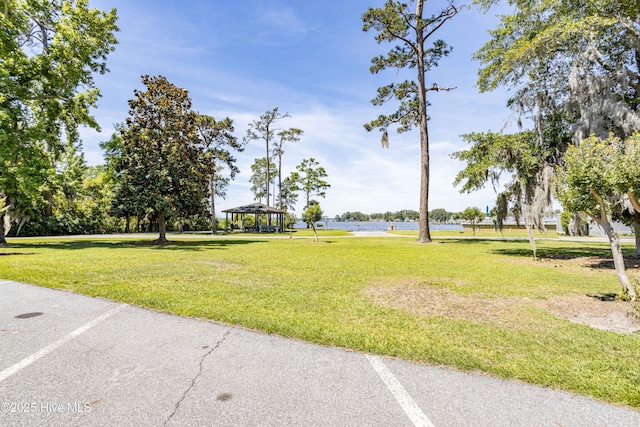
pixel 311 59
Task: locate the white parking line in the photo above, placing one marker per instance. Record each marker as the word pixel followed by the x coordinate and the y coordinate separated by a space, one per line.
pixel 51 347
pixel 410 407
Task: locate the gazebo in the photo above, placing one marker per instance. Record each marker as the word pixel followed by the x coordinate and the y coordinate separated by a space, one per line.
pixel 259 211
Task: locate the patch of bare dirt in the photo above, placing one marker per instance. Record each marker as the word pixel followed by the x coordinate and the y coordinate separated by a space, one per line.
pixel 416 296
pixel 597 312
pixel 431 298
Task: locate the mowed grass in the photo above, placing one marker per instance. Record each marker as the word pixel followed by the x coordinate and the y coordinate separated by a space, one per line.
pixel 470 304
pixel 507 233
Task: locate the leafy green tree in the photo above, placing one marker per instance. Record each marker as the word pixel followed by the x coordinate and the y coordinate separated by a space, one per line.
pixel 218 185
pixel 26 170
pixel 265 129
pixel 528 162
pixel 71 172
pixel 288 195
pixel 309 178
pixel 565 218
pixel 396 22
pixel 625 213
pixel 439 215
pixel 115 158
pixel 259 183
pixel 79 205
pixel 627 177
pixel 573 68
pixel 311 215
pixel 217 139
pixel 290 221
pixel 50 51
pixel 3 204
pixel 98 191
pixel 590 182
pixel 408 214
pixel 163 167
pixel 353 216
pixel 288 135
pixel 578 56
pixel 474 216
pixel 627 169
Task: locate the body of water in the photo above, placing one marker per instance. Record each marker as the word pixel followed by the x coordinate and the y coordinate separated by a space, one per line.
pixel 377 226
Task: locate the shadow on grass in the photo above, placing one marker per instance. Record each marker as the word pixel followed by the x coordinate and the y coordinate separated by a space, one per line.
pixel 555 253
pixel 604 297
pixel 596 257
pixel 16 253
pixel 172 245
pixel 467 241
pixel 607 264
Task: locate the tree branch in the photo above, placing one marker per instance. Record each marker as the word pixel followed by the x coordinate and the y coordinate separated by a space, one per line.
pixel 404 39
pixel 600 200
pixel 444 16
pixel 408 20
pixel 634 201
pixel 437 88
pixel 594 54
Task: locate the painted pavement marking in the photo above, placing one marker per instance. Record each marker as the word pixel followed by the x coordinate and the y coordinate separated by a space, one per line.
pixel 410 407
pixel 51 347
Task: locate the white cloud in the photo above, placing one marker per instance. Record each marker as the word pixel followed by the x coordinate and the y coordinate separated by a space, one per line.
pixel 283 19
pixel 363 176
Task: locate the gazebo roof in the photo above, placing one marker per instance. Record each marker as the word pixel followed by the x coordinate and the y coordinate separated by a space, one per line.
pixel 254 208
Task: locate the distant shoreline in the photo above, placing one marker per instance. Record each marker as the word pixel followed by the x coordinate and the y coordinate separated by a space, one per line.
pixel 378 225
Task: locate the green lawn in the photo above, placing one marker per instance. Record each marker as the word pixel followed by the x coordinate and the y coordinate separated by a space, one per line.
pixel 476 305
pixel 482 232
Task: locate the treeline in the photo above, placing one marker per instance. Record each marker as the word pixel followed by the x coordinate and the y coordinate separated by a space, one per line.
pixel 83 206
pixel 436 215
pixel 165 165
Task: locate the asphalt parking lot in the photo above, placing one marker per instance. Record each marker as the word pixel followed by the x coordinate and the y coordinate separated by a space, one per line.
pixel 69 359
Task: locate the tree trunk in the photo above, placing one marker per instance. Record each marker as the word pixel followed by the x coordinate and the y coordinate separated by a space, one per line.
pixel 616 251
pixel 635 220
pixel 48 211
pixel 274 196
pixel 3 240
pixel 214 228
pixel 268 171
pixel 315 233
pixel 162 228
pixel 618 258
pixel 576 225
pixel 634 201
pixel 636 231
pixel 280 178
pixel 423 221
pixel 532 241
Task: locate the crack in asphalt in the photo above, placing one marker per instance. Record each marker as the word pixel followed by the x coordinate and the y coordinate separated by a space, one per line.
pixel 195 378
